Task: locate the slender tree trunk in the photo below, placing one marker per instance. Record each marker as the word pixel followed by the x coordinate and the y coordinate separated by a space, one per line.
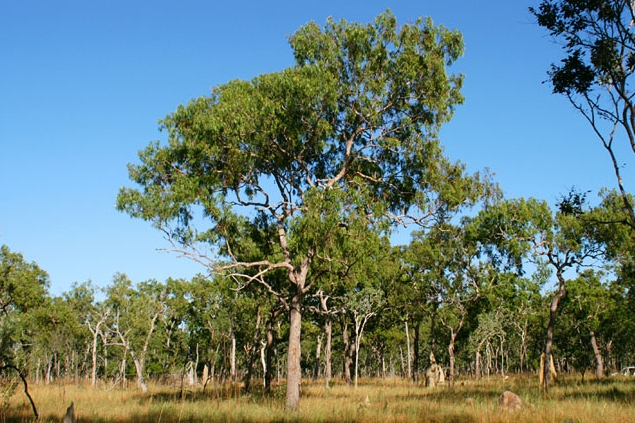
pixel 477 365
pixel 294 370
pixel 408 354
pixel 318 352
pixel 357 342
pixel 328 371
pixel 452 358
pixel 523 344
pixel 599 363
pixel 433 342
pixel 93 371
pixel 139 365
pixel 263 362
pixel 403 363
pixel 196 366
pixel 415 350
pixel 383 365
pixel 270 351
pixel 553 313
pixel 360 323
pixel 252 351
pixel 232 359
pixel 348 353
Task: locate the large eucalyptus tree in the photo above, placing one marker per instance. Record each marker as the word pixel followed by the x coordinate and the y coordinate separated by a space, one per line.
pixel 282 163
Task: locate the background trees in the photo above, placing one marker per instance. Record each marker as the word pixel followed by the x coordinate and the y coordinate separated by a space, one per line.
pixel 23 288
pixel 490 315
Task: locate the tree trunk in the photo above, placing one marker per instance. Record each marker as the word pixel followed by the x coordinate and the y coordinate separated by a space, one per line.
pixel 452 359
pixel 232 360
pixel 252 351
pixel 599 363
pixel 408 355
pixel 553 312
pixel 294 370
pixel 93 371
pixel 270 351
pixel 139 365
pixel 348 353
pixel 415 351
pixel 318 352
pixel 477 365
pixel 357 342
pixel 328 371
pixel 433 342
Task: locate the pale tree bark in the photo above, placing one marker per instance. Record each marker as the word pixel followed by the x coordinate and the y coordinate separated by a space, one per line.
pixel 318 352
pixel 477 365
pixel 453 335
pixel 232 359
pixel 416 356
pixel 96 333
pixel 326 336
pixel 599 362
pixel 137 358
pixel 328 371
pixel 294 369
pixel 408 355
pixel 360 323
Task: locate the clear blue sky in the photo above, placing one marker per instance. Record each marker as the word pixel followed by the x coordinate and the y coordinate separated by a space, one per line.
pixel 83 83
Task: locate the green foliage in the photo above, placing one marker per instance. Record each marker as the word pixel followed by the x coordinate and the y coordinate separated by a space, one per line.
pixel 348 133
pixel 598 51
pixel 23 288
pixel 597 70
pixel 23 285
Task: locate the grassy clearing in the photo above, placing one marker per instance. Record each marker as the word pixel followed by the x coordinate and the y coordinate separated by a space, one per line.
pixel 395 401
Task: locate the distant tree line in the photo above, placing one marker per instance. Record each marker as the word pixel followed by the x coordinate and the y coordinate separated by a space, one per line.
pixel 477 292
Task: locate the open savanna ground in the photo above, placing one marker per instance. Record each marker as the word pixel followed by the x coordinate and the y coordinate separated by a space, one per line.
pixel 373 401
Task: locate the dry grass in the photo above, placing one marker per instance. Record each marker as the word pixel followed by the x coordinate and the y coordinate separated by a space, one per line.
pixel 611 401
